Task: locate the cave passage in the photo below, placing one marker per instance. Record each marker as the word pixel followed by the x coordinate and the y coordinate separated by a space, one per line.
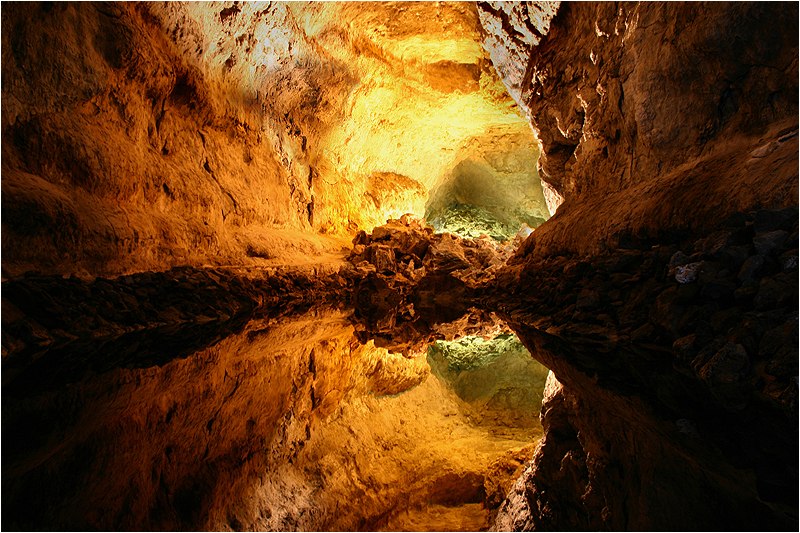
pixel 299 265
pixel 493 188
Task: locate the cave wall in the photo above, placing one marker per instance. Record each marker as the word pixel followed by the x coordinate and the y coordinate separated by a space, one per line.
pixel 583 479
pixel 670 133
pixel 147 143
pixel 123 150
pixel 140 136
pixel 677 383
pixel 650 115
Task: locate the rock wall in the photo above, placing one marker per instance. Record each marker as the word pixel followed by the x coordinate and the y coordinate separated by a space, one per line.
pixel 653 116
pixel 677 364
pixel 124 151
pixel 141 136
pixel 662 294
pixel 138 137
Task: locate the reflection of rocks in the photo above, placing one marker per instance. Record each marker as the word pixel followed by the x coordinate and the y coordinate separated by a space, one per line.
pixel 499 381
pixel 287 423
pixel 294 418
pixel 411 283
pixel 57 324
pixel 174 445
pixel 410 335
pixel 659 364
pixel 393 373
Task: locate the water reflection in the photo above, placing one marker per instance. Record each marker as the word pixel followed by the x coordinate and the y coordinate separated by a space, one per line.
pixel 498 381
pixel 290 422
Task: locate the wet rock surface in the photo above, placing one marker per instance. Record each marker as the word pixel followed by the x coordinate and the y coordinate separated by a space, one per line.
pixel 57 331
pixel 48 313
pixel 666 350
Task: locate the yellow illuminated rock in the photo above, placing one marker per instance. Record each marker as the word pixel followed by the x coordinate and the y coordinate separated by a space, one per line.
pixel 223 133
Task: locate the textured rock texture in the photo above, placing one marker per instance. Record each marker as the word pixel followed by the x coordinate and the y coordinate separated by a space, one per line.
pixel 141 136
pixel 125 150
pixel 490 190
pixel 198 168
pixel 679 391
pixel 413 285
pixel 662 299
pixel 653 116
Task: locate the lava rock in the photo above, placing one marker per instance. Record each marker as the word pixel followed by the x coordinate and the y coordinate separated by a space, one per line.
pixel 771 220
pixel 776 291
pixel 751 268
pixel 383 258
pixel 766 243
pixel 789 260
pixel 687 273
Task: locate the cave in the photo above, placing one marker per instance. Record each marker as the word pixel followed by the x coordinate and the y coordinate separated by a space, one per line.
pixel 399 266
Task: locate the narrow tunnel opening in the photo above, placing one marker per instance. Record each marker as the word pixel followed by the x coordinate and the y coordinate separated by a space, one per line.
pixel 493 188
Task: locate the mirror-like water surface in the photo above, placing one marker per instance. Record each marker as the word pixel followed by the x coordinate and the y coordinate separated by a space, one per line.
pixel 279 424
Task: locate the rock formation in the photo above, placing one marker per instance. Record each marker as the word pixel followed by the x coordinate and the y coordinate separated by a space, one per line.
pixel 661 126
pixel 215 134
pixel 648 118
pixel 228 289
pixel 666 352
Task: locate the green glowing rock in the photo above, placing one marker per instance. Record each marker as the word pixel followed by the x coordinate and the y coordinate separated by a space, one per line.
pixel 471 221
pixel 500 383
pixel 469 353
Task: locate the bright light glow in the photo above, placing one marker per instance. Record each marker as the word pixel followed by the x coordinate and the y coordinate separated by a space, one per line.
pixel 399 126
pixel 397 96
pixel 422 48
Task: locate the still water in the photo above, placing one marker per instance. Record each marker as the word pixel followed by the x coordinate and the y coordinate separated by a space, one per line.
pixel 290 423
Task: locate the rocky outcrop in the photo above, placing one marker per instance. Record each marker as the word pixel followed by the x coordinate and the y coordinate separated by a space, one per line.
pixel 678 364
pixel 414 285
pixel 670 132
pixel 654 116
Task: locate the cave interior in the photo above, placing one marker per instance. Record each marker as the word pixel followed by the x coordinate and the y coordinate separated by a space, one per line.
pixel 400 266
